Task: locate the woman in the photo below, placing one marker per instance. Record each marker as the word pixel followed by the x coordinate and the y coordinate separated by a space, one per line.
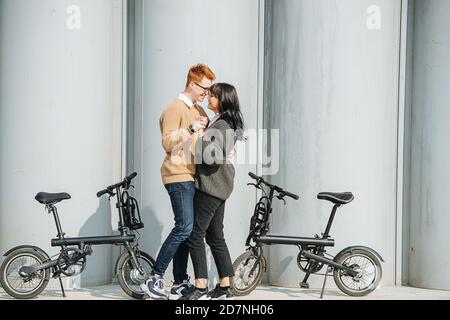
pixel 213 186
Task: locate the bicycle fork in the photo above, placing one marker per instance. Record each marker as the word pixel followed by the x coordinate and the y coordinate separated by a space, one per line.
pixel 134 259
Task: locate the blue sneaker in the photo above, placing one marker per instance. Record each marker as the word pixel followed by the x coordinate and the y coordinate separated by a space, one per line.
pixel 179 290
pixel 154 287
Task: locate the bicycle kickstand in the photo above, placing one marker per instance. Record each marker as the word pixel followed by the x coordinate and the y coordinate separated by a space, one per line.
pixel 62 287
pixel 325 281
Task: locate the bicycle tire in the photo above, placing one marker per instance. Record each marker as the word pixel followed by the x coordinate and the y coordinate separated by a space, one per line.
pixel 338 274
pixel 238 272
pixel 121 264
pixel 27 251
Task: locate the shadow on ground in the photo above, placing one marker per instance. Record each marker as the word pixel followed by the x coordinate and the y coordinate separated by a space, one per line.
pixel 296 293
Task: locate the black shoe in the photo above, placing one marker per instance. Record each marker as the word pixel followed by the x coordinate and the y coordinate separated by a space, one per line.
pixel 196 294
pixel 219 293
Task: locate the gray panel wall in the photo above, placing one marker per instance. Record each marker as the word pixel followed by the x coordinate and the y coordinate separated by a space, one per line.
pixel 177 35
pixel 60 120
pixel 332 90
pixel 430 155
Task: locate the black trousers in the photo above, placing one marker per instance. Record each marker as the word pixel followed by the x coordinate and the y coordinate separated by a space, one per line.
pixel 208 224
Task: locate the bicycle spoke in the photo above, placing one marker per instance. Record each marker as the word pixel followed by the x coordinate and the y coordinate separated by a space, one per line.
pixel 16 281
pixel 367 273
pixel 127 273
pixel 370 279
pixel 243 273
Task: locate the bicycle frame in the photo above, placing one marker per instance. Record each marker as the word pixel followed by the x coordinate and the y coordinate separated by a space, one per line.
pixel 124 238
pixel 310 248
pixel 312 256
pixel 83 243
pixel 71 259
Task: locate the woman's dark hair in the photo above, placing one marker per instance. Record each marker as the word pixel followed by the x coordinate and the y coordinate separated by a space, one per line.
pixel 229 107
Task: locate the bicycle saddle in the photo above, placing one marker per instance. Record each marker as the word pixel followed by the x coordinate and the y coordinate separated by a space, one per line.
pixel 336 198
pixel 51 198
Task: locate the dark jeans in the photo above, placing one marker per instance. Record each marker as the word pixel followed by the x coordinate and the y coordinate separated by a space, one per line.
pixel 208 224
pixel 175 247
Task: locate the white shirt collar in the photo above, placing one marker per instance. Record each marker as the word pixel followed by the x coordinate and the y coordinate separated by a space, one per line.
pixel 186 100
pixel 214 119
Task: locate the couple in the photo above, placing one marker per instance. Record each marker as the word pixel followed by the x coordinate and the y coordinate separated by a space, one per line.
pixel 198 175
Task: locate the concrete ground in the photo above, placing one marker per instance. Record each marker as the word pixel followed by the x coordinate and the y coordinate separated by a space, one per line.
pixel 114 292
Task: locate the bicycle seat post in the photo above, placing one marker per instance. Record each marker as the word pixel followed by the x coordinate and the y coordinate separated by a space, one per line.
pixel 52 209
pixel 330 221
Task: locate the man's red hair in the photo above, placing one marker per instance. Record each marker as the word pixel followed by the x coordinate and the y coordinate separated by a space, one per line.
pixel 198 72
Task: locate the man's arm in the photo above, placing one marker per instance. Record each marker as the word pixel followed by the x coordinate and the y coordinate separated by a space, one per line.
pixel 172 134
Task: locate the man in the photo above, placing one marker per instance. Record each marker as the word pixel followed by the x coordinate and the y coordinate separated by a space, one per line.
pixel 180 124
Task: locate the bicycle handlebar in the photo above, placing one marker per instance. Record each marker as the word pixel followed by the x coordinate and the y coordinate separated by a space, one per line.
pixel 110 189
pixel 276 188
pixel 293 196
pixel 130 177
pixel 254 176
pixel 100 193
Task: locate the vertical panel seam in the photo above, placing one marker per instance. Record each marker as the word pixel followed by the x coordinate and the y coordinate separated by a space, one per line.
pixel 400 141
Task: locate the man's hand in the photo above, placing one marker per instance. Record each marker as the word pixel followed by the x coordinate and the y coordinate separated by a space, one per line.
pixel 200 124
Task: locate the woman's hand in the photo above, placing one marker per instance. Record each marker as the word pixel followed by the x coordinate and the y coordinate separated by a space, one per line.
pixel 232 154
pixel 203 121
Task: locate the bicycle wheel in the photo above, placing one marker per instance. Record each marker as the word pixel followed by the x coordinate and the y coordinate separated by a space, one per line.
pixel 369 273
pixel 15 281
pixel 244 280
pixel 129 278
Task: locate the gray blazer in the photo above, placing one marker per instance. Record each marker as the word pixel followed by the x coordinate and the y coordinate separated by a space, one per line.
pixel 214 173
